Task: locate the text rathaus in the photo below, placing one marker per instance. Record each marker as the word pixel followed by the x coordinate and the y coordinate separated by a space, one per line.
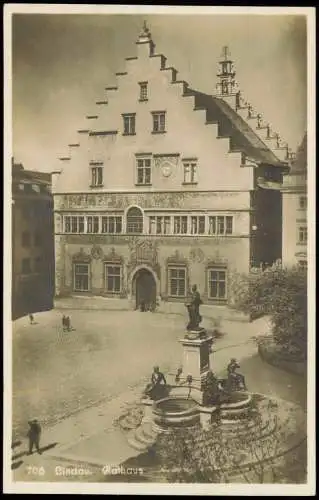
pixel 167 186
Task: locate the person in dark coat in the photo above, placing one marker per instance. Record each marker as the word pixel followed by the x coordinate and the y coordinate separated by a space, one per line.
pixel 31 318
pixel 68 323
pixel 34 434
pixel 64 322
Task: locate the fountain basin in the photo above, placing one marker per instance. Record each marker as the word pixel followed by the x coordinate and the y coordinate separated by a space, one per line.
pixel 237 408
pixel 175 412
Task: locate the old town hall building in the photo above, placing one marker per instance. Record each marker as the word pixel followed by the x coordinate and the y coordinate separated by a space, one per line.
pixel 166 187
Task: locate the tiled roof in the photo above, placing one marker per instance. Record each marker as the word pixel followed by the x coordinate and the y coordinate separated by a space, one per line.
pixel 242 136
pixel 19 174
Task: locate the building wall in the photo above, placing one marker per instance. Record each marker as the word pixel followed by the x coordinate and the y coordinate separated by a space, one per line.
pixel 32 289
pixel 195 251
pixel 294 251
pixel 196 255
pixel 223 186
pixel 267 218
pixel 294 192
pixel 187 135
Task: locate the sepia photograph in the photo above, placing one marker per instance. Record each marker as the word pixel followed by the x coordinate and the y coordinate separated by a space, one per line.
pixel 159 254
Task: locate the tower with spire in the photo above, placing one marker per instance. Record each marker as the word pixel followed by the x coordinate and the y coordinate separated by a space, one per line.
pixel 227 85
pixel 145 44
pixel 227 88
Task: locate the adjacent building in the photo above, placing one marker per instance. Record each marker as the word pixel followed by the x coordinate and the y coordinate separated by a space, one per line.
pixel 294 194
pixel 166 186
pixel 32 241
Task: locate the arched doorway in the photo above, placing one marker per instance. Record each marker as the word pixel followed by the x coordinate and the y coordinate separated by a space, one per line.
pixel 145 289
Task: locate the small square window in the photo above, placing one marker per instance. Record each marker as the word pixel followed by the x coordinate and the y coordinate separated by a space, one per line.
pixel 111 224
pixel 67 223
pixel 303 202
pixel 180 224
pixel 217 286
pixel 159 119
pixel 302 235
pixel 190 172
pixel 81 277
pixel 303 264
pixel 92 224
pixel 97 176
pixel 129 124
pixel 224 87
pixel 81 224
pixel 144 171
pixel 177 281
pixel 198 224
pixel 143 91
pixel 113 278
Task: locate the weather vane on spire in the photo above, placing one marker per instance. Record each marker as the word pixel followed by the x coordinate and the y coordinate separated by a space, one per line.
pixel 145 30
pixel 225 52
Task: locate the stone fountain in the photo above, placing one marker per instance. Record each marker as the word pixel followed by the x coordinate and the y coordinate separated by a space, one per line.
pixel 184 404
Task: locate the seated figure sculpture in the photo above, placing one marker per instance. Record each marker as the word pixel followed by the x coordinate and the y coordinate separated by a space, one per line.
pixel 157 388
pixel 235 381
pixel 214 394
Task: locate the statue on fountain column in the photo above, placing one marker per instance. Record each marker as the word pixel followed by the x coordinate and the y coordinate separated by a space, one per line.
pixel 193 309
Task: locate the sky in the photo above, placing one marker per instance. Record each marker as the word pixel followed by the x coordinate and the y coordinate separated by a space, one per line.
pixel 61 64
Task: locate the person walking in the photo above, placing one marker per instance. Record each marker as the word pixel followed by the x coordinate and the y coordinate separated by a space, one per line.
pixel 31 318
pixel 34 434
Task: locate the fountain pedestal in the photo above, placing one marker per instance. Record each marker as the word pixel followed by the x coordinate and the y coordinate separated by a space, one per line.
pixel 196 350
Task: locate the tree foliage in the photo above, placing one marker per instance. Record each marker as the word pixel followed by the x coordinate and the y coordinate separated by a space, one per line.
pixel 280 293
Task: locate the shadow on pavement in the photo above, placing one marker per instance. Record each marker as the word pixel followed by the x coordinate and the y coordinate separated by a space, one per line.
pixel 48 447
pixel 15 444
pixel 16 465
pixel 24 453
pixel 19 455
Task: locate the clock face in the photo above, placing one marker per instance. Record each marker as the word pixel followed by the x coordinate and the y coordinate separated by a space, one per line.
pixel 167 169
